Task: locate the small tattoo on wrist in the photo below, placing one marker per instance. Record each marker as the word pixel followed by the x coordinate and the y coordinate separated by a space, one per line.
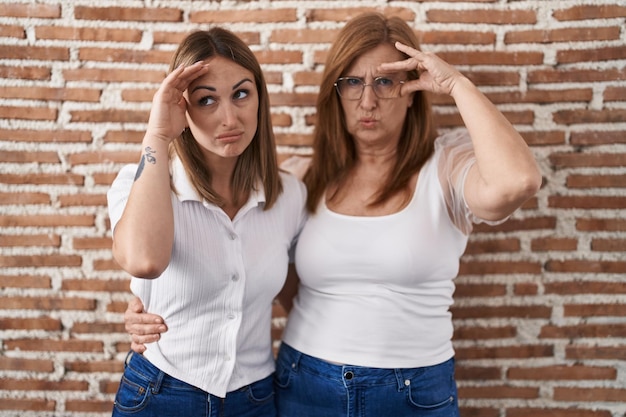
pixel 147 156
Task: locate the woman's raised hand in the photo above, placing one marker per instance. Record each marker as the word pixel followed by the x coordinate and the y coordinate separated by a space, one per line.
pixel 167 116
pixel 435 75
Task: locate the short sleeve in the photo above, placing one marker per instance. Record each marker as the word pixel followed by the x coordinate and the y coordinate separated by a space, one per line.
pixel 455 154
pixel 117 196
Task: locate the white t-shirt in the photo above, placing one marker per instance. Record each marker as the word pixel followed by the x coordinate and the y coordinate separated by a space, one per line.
pixel 376 291
pixel 217 292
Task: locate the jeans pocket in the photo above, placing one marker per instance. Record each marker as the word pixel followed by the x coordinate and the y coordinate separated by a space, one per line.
pixel 261 391
pixel 282 375
pixel 132 394
pixel 433 388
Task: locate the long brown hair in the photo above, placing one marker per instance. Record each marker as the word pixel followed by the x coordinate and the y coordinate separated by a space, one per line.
pixel 258 161
pixel 334 151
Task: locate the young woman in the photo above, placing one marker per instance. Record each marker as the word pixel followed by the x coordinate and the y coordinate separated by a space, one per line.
pixel 205 224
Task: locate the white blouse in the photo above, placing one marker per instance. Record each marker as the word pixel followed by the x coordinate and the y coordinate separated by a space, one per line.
pixel 376 291
pixel 216 294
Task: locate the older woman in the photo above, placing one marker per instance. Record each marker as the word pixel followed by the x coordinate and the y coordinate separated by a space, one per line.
pixel 391 208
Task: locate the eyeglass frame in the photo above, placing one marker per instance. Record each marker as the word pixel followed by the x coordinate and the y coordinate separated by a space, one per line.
pixel 363 85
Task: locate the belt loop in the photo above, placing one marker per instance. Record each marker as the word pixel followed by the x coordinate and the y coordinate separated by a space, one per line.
pixel 400 379
pixel 129 355
pixel 159 381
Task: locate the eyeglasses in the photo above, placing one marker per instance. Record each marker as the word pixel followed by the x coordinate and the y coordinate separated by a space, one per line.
pixel 351 88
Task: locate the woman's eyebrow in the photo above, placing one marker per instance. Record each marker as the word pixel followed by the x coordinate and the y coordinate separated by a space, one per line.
pixel 208 87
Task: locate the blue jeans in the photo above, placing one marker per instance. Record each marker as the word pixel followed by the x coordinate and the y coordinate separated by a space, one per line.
pixel 309 387
pixel 146 391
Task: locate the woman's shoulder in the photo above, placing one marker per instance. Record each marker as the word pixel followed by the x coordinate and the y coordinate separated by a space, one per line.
pixel 296 165
pixel 452 138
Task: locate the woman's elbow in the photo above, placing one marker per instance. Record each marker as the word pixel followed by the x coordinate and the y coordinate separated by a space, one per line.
pixel 140 265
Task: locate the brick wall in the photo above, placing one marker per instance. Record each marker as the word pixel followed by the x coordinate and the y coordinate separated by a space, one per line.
pixel 540 308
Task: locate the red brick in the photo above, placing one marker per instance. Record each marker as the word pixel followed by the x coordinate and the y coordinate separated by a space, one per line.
pixel 572 117
pixel 30 404
pixel 83 200
pixel 464 289
pixel 597 224
pixel 99 285
pixel 578 287
pixel 51 94
pixel 28 135
pixel 138 14
pixel 37 178
pixel 553 244
pixel 124 136
pixel 594 310
pixel 608 245
pixel 611 267
pixel 125 55
pixel 487 312
pixel 41 323
pixel 584 352
pixel 608 53
pixel 484 333
pixel 489 16
pixel 587 202
pixel 589 394
pixel 54 345
pixel 88 406
pixel 47 303
pixel 42 385
pixel 243 16
pixel 303 35
pixel 16 261
pixel 543 138
pixel 25 281
pixel 499 391
pixel 85 158
pixel 492 246
pixel 95 366
pixel 109 116
pixel 498 267
pixel 28 113
pixel 615 94
pixel 563 35
pixel 578 159
pixel 22 364
pixel 88 34
pixel 24 198
pixel 31 10
pixel 12 31
pixel 31 240
pixel 589 11
pixel 43 53
pixel 575 75
pixel 346 13
pixel 517 351
pixel 555 412
pixel 456 37
pixel 583 331
pixel 556 373
pixel 51 220
pixel 480 373
pixel 25 72
pixel 119 75
pixel 596 181
pixel 525 288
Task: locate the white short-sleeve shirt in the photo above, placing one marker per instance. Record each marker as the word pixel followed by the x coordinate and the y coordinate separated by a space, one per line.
pixel 217 292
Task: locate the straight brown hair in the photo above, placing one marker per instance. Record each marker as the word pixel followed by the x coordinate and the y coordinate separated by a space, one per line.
pixel 334 151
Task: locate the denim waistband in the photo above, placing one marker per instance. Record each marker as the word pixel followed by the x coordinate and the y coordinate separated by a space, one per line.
pixel 351 374
pixel 142 366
